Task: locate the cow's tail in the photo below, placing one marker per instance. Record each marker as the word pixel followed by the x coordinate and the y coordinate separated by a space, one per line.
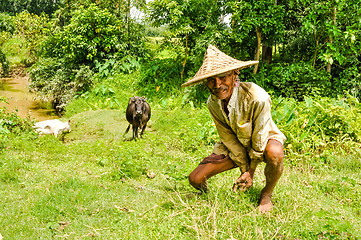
pixel 126 131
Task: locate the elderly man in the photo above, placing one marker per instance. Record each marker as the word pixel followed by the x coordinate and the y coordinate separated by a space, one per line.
pixel 242 114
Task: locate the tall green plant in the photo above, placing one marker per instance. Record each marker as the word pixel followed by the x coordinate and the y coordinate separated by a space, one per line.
pixel 93 37
pixel 7 27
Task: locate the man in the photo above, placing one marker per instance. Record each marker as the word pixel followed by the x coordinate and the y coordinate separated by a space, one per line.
pixel 242 114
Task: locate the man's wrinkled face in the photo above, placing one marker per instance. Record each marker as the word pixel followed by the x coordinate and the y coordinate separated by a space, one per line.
pixel 222 85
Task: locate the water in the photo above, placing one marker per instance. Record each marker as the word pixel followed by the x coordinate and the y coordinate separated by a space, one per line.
pixel 16 90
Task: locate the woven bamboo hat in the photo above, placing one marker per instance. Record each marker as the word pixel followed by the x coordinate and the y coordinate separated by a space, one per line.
pixel 216 62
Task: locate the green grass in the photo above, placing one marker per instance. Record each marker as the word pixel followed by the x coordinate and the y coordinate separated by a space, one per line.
pixel 94 184
pixel 93 181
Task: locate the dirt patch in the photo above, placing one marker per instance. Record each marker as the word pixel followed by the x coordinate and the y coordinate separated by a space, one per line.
pixel 18 72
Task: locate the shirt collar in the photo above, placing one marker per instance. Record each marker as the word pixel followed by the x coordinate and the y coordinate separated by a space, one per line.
pixel 234 97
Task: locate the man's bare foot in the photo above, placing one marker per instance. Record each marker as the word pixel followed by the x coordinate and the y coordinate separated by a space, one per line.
pixel 265 204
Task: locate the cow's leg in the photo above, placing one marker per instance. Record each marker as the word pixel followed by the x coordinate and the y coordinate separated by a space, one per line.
pixel 143 128
pixel 134 131
pixel 126 131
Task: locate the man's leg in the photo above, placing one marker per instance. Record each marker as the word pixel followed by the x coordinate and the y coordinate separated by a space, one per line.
pixel 198 178
pixel 273 171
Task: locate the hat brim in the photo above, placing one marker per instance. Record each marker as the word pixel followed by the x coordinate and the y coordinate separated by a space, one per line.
pixel 238 66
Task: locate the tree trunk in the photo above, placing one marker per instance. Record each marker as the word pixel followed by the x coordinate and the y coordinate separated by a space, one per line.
pixel 185 57
pixel 266 54
pixel 258 50
pixel 128 24
pixel 330 40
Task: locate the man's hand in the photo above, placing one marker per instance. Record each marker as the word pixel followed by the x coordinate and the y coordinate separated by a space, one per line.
pixel 244 182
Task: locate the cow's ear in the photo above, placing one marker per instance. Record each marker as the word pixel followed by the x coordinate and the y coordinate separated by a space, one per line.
pixel 132 99
pixel 144 98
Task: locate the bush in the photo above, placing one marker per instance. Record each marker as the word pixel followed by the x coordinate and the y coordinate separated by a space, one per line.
pixel 316 124
pixel 4 64
pixel 11 123
pixel 33 28
pixel 349 81
pixel 160 77
pixel 294 81
pixel 7 27
pixel 73 53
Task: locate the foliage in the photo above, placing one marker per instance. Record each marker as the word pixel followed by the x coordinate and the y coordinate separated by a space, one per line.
pixel 11 123
pixel 295 81
pixel 57 83
pixel 33 28
pixel 325 34
pixel 7 27
pixel 6 23
pixel 91 35
pixel 196 23
pixel 4 64
pixel 349 80
pixel 160 77
pixel 32 6
pixel 251 16
pixel 317 124
pixel 94 40
pixel 112 92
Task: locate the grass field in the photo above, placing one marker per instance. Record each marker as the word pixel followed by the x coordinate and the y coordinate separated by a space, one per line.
pixel 93 182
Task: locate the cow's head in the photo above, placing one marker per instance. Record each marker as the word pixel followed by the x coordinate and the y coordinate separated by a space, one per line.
pixel 138 105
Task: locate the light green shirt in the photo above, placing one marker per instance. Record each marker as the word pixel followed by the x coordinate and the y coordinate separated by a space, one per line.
pixel 246 130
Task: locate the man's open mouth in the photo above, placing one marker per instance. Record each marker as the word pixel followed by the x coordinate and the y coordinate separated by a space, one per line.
pixel 219 90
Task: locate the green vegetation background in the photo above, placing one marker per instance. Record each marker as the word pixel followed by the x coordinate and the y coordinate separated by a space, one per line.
pixel 94 182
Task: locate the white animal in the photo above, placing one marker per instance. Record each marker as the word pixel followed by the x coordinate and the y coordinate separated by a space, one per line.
pixel 53 126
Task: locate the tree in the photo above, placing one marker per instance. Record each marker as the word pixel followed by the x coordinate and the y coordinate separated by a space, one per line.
pixel 260 18
pixel 32 6
pixel 72 53
pixel 196 23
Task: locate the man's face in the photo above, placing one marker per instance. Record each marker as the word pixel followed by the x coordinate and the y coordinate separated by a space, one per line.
pixel 222 85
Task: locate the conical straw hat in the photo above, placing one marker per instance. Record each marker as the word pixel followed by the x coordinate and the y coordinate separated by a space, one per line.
pixel 216 62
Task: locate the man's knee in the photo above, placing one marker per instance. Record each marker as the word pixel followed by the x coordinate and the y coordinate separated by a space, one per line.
pixel 196 179
pixel 274 153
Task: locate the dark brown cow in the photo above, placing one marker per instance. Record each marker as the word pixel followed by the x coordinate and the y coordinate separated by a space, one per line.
pixel 138 114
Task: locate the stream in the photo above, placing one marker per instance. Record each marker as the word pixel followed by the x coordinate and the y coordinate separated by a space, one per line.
pixel 16 90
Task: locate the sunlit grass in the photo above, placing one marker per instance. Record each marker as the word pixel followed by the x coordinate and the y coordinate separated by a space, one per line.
pixel 93 181
pixel 95 184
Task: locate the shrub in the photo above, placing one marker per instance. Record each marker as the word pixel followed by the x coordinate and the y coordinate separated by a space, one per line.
pixel 11 123
pixel 7 27
pixel 4 64
pixel 349 81
pixel 315 124
pixel 33 28
pixel 294 81
pixel 160 77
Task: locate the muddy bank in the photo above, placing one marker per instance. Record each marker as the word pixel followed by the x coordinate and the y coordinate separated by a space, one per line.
pixel 16 89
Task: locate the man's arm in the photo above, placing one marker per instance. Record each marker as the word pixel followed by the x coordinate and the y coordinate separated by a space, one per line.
pixel 229 139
